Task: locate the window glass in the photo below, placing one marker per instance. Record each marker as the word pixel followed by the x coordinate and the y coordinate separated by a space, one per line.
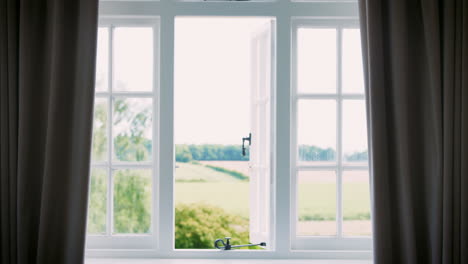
pixel 316 203
pixel 316 131
pixel 97 211
pixel 316 60
pixel 120 188
pixel 99 148
pixel 132 129
pixel 354 132
pixel 132 201
pixel 102 60
pixel 133 59
pixel 353 76
pixel 356 203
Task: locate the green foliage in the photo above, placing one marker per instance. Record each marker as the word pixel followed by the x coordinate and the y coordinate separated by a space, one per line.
pixel 313 153
pixel 131 144
pixel 99 148
pixel 132 148
pixel 358 216
pixel 191 180
pixel 97 202
pixel 233 173
pixel 183 153
pixel 197 226
pixel 186 153
pixel 357 156
pixel 132 201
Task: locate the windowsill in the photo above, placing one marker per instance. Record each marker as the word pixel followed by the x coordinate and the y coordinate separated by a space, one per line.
pixel 223 261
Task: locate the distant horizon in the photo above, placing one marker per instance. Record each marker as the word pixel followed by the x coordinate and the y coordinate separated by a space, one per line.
pixel 212 87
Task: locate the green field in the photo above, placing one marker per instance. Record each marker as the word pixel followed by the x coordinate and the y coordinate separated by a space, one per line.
pixel 196 183
pixel 194 172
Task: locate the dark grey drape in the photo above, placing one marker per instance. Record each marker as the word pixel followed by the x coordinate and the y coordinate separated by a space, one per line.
pixel 47 55
pixel 416 64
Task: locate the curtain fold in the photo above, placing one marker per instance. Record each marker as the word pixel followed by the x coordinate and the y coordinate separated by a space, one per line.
pixel 416 67
pixel 47 61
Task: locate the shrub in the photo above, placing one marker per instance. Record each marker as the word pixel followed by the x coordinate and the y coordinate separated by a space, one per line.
pixel 197 226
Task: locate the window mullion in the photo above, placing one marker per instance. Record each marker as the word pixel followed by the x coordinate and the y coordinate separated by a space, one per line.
pixel 166 147
pixel 110 187
pixel 339 173
pixel 282 235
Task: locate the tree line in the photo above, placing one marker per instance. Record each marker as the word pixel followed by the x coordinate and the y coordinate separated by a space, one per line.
pixel 187 153
pixel 191 152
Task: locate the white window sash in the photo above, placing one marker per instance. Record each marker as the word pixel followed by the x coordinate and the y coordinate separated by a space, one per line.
pixel 161 14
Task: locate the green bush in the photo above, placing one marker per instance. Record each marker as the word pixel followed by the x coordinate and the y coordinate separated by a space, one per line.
pixel 197 226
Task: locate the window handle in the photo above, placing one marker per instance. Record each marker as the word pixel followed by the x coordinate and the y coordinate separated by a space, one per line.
pixel 249 138
pixel 220 244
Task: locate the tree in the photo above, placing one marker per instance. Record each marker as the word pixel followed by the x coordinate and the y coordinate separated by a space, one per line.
pixel 199 225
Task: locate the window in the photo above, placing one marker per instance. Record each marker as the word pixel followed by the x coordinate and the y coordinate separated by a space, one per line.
pixel 330 163
pixel 180 85
pixel 214 110
pixel 123 171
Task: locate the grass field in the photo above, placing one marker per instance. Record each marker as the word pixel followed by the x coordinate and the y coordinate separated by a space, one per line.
pixel 316 198
pixel 190 172
pixel 316 202
pixel 233 197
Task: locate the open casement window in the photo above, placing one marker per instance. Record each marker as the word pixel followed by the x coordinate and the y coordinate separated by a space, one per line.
pixel 262 52
pixel 304 187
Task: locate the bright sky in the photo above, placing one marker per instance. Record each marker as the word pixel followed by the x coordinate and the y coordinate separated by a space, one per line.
pixel 212 75
pixel 212 79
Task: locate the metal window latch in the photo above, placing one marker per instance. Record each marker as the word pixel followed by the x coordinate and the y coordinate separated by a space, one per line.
pixel 249 139
pixel 220 244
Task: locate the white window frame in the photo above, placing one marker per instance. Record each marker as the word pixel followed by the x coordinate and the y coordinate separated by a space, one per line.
pixel 338 241
pixel 161 14
pixel 128 241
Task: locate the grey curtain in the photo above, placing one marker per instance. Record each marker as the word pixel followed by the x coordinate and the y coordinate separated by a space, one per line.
pixel 47 56
pixel 416 64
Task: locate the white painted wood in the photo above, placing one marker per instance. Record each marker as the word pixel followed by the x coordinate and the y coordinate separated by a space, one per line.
pixel 223 261
pixel 337 242
pixel 126 241
pixel 262 47
pixel 160 244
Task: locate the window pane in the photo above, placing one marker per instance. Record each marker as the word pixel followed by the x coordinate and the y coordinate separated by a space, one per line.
pixel 102 60
pixel 133 59
pixel 354 132
pixel 132 201
pixel 97 206
pixel 316 203
pixel 316 131
pixel 99 150
pixel 316 60
pixel 353 76
pixel 132 129
pixel 356 204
